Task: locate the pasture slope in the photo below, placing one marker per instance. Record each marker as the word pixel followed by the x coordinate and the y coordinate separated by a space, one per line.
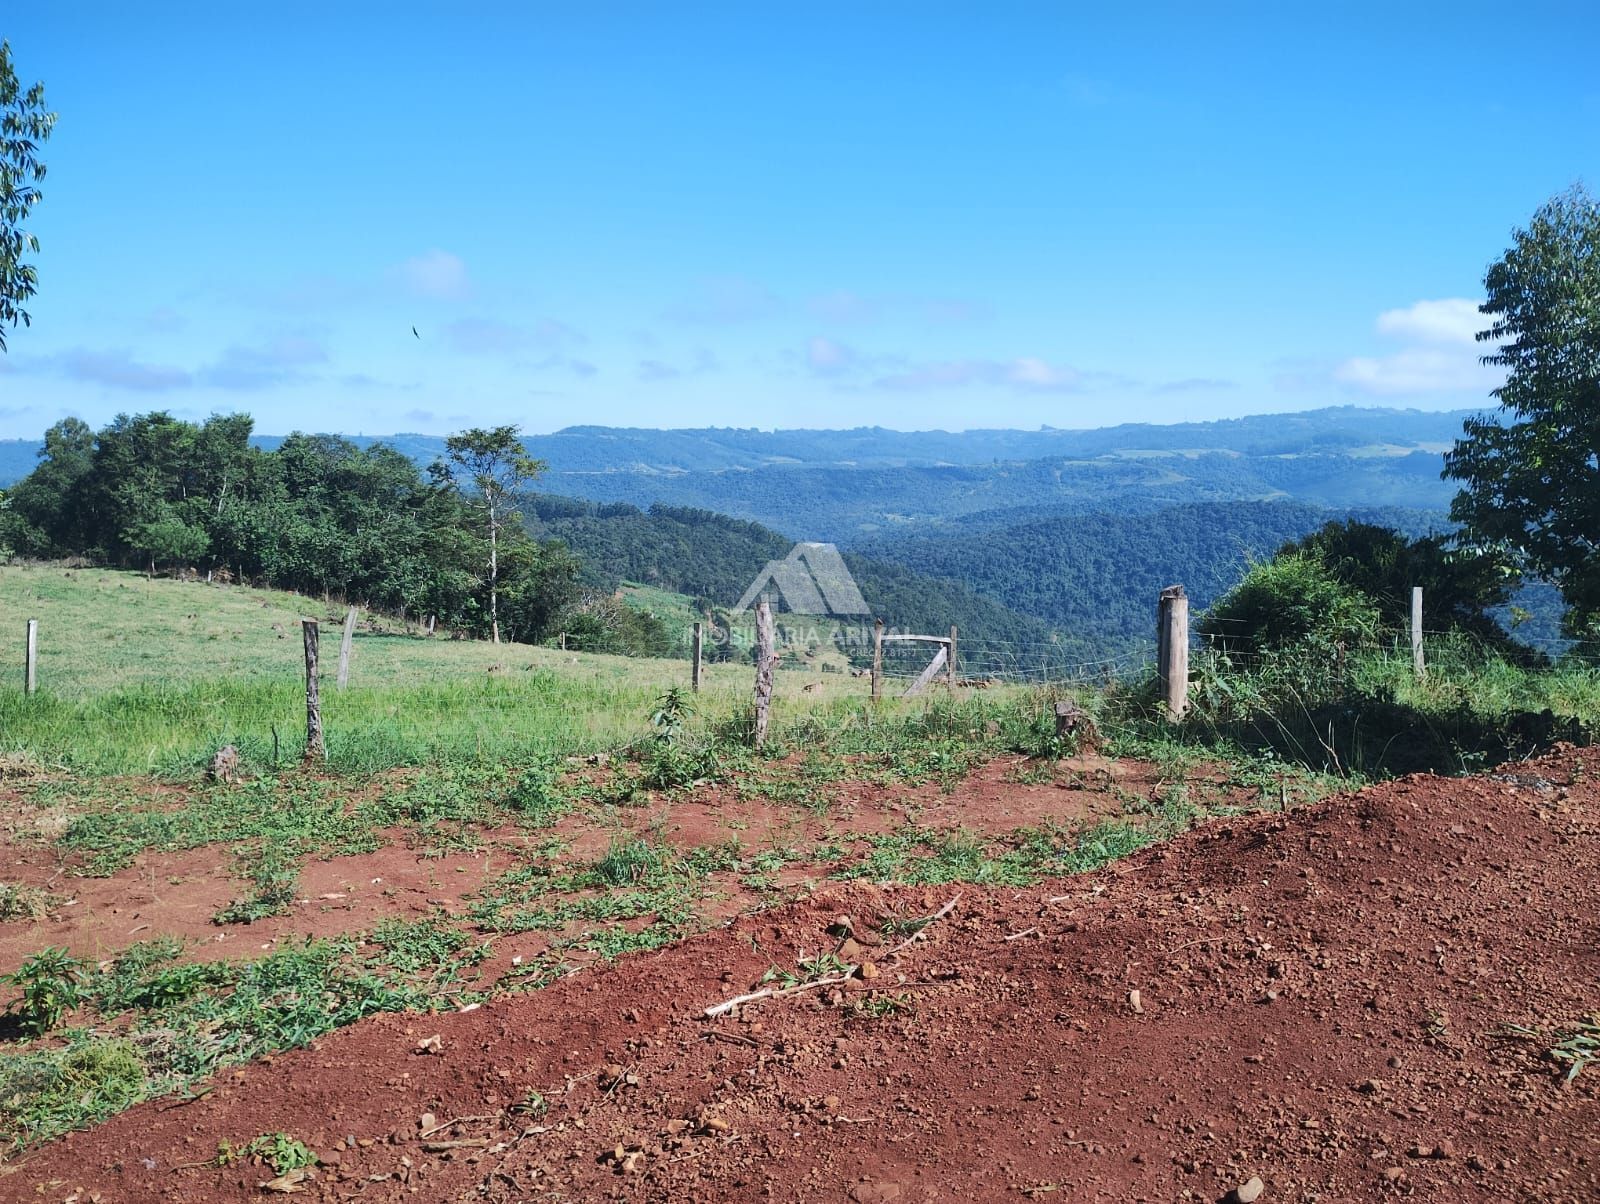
pixel 1349 1001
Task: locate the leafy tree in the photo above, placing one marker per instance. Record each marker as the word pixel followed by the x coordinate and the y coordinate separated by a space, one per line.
pixel 25 125
pixel 1459 584
pixel 490 467
pixel 541 584
pixel 167 538
pixel 48 503
pixel 1531 474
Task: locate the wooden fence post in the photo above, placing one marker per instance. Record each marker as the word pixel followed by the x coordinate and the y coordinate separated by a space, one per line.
pixel 765 657
pixel 344 647
pixel 877 659
pixel 30 660
pixel 1419 666
pixel 1172 650
pixel 694 670
pixel 316 750
pixel 950 662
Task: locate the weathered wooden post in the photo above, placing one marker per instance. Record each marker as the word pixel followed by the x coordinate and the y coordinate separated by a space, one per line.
pixel 950 662
pixel 694 670
pixel 30 660
pixel 1419 665
pixel 344 647
pixel 1172 650
pixel 316 750
pixel 877 659
pixel 765 658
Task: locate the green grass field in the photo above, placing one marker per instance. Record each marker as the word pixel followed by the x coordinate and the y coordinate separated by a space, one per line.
pixel 153 676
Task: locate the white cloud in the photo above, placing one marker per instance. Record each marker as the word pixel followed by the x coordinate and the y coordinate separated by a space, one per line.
pixel 1418 370
pixel 1440 353
pixel 1449 320
pixel 436 273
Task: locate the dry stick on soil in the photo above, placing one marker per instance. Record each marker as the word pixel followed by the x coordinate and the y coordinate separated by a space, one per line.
pixel 460 1120
pixel 1017 936
pixel 831 980
pixel 736 1038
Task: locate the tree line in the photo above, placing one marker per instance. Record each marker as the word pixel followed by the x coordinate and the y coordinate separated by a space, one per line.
pixel 317 514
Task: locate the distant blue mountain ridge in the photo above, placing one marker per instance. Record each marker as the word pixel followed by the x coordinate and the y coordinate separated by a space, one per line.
pixel 869 482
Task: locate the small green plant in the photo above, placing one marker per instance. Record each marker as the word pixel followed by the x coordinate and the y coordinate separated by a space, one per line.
pixel 49 1091
pixel 52 985
pixel 531 1104
pixel 274 868
pixel 808 969
pixel 1579 1049
pixel 431 943
pixel 631 860
pixel 881 1007
pixel 536 798
pixel 1032 772
pixel 671 715
pixel 278 1150
pixel 1576 1050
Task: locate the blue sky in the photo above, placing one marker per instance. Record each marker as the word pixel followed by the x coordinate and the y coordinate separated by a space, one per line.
pixel 914 215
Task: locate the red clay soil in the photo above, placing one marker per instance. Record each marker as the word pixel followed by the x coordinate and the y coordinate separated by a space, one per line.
pixel 1322 1003
pixel 179 893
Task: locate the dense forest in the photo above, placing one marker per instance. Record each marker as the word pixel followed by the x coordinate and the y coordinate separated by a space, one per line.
pixel 1096 576
pixel 712 558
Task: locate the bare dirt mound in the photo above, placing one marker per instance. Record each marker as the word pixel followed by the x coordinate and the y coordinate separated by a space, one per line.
pixel 1322 1002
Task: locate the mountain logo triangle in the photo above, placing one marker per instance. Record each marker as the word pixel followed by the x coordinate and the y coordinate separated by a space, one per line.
pixel 811 580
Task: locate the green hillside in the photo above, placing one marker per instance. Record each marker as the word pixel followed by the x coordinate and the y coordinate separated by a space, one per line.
pixel 1098 575
pixel 713 558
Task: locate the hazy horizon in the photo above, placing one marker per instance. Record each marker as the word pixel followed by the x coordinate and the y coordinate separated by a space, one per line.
pixel 260 432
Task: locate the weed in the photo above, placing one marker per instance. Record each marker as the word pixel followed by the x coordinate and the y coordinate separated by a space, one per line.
pixel 274 868
pixel 614 940
pixel 532 1104
pixel 808 969
pixel 881 1006
pixel 671 715
pixel 536 799
pixel 1032 773
pixel 431 942
pixel 1579 1048
pixel 630 860
pixel 278 1150
pixel 52 985
pixel 49 1091
pixel 1576 1050
pixel 140 979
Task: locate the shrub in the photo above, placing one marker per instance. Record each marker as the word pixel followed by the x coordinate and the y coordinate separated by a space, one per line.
pixel 1290 601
